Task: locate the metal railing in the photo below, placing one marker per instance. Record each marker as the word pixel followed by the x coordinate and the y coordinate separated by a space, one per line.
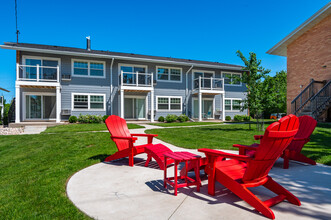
pixel 321 100
pixel 136 79
pixel 37 73
pixel 209 83
pixel 305 95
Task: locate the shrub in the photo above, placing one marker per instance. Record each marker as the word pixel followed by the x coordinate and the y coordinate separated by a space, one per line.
pixel 171 118
pixel 227 118
pixel 183 118
pixel 104 118
pixel 161 119
pixel 89 119
pixel 238 118
pixel 72 119
pixel 246 117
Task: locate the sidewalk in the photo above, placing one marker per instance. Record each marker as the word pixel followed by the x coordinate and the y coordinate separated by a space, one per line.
pixel 116 191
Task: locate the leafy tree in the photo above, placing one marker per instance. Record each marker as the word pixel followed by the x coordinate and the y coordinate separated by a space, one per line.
pixel 253 77
pixel 274 93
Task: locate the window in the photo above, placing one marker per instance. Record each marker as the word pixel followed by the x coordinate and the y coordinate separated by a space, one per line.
pixel 89 102
pixel 205 79
pixel 47 67
pixel 231 78
pixel 169 103
pixel 88 68
pixel 169 74
pixel 232 104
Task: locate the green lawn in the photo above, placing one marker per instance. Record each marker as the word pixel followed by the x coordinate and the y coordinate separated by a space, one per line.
pixel 179 124
pixel 83 127
pixel 224 136
pixel 34 170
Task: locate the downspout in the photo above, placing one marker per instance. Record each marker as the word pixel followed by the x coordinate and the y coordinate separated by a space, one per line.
pixel 186 90
pixel 111 85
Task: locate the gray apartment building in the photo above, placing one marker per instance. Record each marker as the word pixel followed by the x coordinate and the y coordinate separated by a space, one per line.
pixel 54 82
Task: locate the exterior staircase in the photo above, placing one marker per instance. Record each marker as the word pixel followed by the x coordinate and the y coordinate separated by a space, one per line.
pixel 314 100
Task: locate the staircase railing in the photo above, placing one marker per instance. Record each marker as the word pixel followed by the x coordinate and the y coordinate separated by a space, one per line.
pixel 11 112
pixel 321 99
pixel 305 95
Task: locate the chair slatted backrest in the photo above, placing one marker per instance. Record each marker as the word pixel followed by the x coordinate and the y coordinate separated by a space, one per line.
pixel 117 127
pixel 276 138
pixel 306 128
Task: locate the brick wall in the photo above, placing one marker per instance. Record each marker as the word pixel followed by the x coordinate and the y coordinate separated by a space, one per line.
pixel 309 57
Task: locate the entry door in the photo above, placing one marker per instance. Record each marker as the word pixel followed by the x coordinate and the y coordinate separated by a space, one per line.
pixel 40 107
pixel 134 108
pixel 207 108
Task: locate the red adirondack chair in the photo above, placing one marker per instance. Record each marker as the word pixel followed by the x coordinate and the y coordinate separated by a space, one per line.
pixel 293 151
pixel 124 140
pixel 242 171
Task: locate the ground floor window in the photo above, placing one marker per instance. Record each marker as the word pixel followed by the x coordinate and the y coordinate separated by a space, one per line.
pixel 88 101
pixel 169 103
pixel 232 104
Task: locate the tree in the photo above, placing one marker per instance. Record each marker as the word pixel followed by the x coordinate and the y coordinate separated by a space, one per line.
pixel 253 77
pixel 274 93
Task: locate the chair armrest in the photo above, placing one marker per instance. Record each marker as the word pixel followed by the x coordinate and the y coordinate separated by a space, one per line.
pixel 258 137
pixel 246 147
pixel 149 137
pixel 146 135
pixel 133 139
pixel 217 153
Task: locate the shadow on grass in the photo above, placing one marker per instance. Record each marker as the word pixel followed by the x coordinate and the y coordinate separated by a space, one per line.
pixel 100 157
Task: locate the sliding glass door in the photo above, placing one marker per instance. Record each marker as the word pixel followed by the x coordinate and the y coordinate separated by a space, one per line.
pixel 207 108
pixel 40 107
pixel 135 108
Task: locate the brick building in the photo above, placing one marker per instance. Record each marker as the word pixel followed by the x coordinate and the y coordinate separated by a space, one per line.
pixel 308 52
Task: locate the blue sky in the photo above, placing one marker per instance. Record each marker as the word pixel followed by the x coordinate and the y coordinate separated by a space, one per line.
pixel 203 30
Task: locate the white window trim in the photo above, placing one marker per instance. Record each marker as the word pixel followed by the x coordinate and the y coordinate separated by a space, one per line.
pixel 227 72
pixel 168 80
pixel 131 65
pixel 204 71
pixel 89 102
pixel 231 104
pixel 214 106
pixel 169 103
pixel 24 57
pixel 37 94
pixel 88 68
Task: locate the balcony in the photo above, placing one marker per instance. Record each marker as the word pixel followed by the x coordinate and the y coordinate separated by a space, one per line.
pixel 32 74
pixel 136 81
pixel 208 85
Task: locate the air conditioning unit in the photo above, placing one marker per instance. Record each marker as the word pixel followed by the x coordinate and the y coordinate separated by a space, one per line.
pixel 66 77
pixel 66 112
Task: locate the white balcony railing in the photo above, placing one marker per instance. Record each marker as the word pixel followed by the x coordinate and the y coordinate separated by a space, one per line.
pixel 136 79
pixel 37 73
pixel 209 83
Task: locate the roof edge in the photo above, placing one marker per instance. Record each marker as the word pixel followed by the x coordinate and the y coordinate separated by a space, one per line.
pixel 153 60
pixel 298 29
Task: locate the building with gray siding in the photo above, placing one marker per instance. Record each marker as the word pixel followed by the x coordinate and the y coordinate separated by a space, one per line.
pixel 54 82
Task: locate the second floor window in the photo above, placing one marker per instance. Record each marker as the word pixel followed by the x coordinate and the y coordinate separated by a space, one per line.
pixel 88 68
pixel 169 74
pixel 231 78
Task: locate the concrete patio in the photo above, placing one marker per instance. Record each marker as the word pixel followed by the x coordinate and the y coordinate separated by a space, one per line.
pixel 117 191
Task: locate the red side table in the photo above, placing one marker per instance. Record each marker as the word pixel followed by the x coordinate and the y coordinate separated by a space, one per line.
pixel 179 157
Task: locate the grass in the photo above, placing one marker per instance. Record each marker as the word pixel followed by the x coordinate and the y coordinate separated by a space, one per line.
pixel 35 168
pixel 224 136
pixel 83 127
pixel 179 124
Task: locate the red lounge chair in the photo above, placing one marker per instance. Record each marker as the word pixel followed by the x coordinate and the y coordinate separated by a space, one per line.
pixel 243 172
pixel 124 140
pixel 293 151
